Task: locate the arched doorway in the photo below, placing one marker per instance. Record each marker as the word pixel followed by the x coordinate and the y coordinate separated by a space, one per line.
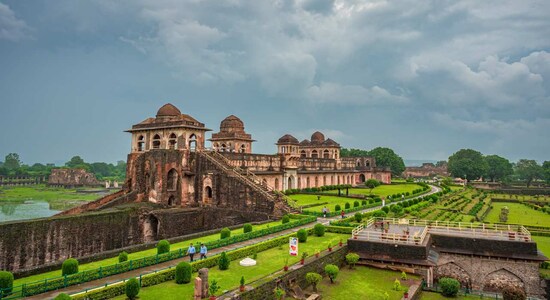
pixel 172 182
pixel 208 192
pixel 276 184
pixel 150 228
pixel 172 200
pixel 362 177
pixel 289 185
pixel 192 142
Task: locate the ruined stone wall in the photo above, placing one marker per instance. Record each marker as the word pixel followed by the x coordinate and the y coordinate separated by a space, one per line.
pixel 389 250
pixel 72 178
pixel 490 274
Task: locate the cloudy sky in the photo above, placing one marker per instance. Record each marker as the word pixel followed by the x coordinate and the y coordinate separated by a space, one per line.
pixel 425 78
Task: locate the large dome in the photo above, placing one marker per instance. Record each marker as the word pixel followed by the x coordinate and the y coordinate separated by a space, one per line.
pixel 317 137
pixel 232 124
pixel 168 110
pixel 288 139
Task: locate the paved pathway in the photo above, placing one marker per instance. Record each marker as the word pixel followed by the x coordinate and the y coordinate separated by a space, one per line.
pixel 172 263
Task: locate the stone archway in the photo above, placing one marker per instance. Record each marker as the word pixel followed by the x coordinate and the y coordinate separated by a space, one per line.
pixel 150 229
pixel 497 280
pixel 362 178
pixel 455 271
pixel 290 183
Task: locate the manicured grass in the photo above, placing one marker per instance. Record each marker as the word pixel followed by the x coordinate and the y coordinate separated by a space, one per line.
pixel 140 254
pixel 519 214
pixel 383 190
pixel 303 199
pixel 41 192
pixel 438 296
pixel 364 283
pixel 543 244
pixel 456 188
pixel 268 262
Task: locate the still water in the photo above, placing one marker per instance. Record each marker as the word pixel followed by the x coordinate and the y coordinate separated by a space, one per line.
pixel 31 209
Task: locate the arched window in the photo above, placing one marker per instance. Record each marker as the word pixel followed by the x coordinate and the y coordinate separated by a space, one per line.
pixel 208 192
pixel 243 148
pixel 156 141
pixel 367 163
pixel 326 154
pixel 289 186
pixel 324 180
pixel 172 183
pixel 303 154
pixel 358 163
pixel 192 142
pixel 314 154
pixel 223 148
pixel 172 142
pixel 141 143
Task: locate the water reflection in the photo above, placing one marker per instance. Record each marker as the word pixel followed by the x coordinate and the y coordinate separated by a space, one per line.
pixel 29 209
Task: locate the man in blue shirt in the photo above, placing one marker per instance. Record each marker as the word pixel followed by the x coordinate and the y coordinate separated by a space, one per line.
pixel 191 251
pixel 203 251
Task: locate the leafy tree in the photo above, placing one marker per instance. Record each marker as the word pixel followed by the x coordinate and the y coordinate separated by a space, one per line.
pixel 313 279
pixel 498 167
pixel 12 161
pixel 223 261
pixel 467 164
pixel 546 171
pixel 332 272
pixel 385 157
pixel 440 163
pixel 371 184
pixel 353 152
pixel 75 161
pixel 352 259
pixel 528 170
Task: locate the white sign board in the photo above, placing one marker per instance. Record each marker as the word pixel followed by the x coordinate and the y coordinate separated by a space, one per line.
pixel 293 246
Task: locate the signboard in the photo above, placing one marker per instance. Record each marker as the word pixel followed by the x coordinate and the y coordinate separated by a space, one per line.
pixel 293 246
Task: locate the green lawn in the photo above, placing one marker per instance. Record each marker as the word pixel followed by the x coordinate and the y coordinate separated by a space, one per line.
pixel 268 262
pixel 364 283
pixel 438 296
pixel 303 199
pixel 140 254
pixel 41 192
pixel 519 214
pixel 383 190
pixel 456 188
pixel 543 244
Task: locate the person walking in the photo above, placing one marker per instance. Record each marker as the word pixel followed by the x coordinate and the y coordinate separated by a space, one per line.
pixel 343 214
pixel 203 251
pixel 191 251
pixel 324 212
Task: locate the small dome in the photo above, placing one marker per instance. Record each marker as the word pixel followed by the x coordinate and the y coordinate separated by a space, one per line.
pixel 288 139
pixel 330 142
pixel 231 124
pixel 317 137
pixel 168 110
pixel 305 142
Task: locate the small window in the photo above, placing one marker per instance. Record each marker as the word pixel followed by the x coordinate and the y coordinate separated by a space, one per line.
pixel 156 141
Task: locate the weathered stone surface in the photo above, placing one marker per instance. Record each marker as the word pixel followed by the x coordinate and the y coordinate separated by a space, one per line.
pixel 72 178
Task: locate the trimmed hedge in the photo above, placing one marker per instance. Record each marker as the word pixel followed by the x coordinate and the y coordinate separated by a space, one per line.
pixel 319 229
pixel 247 228
pixel 122 256
pixel 183 272
pixel 225 233
pixel 285 219
pixel 6 282
pixel 132 288
pixel 163 246
pixel 302 235
pixel 69 267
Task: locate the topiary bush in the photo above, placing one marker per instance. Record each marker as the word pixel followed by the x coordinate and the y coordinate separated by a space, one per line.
pixel 225 233
pixel 337 207
pixel 364 202
pixel 386 209
pixel 223 261
pixel 319 229
pixel 352 259
pixel 286 219
pixel 449 286
pixel 69 266
pixel 122 256
pixel 358 217
pixel 347 205
pixel 302 235
pixel 132 288
pixel 247 227
pixel 332 272
pixel 6 281
pixel 313 279
pixel 62 296
pixel 163 246
pixel 183 272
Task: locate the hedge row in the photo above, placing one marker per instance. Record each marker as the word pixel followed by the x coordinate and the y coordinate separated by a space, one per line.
pixel 337 213
pixel 101 272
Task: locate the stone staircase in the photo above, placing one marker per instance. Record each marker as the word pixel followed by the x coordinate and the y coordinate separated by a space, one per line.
pixel 249 179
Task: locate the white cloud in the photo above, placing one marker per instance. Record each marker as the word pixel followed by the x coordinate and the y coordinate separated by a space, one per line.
pixel 330 92
pixel 509 128
pixel 12 28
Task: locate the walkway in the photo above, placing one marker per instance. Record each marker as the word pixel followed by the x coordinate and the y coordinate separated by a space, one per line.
pixel 172 263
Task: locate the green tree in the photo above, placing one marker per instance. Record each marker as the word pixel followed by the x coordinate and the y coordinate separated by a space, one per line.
pixel 546 171
pixel 74 162
pixel 528 170
pixel 332 272
pixel 498 167
pixel 385 157
pixel 12 162
pixel 449 286
pixel 353 152
pixel 313 279
pixel 371 184
pixel 467 164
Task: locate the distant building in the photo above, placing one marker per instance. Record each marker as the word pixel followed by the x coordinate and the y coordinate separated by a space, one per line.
pixel 427 170
pixel 72 178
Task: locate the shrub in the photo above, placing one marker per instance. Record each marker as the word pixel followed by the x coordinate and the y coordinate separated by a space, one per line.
pixel 286 219
pixel 513 293
pixel 332 272
pixel 163 246
pixel 355 203
pixel 122 256
pixel 352 259
pixel 347 205
pixel 225 233
pixel 319 229
pixel 313 279
pixel 358 217
pixel 302 235
pixel 545 265
pixel 386 209
pixel 449 286
pixel 403 275
pixel 6 281
pixel 70 266
pixel 223 261
pixel 247 227
pixel 214 287
pixel 132 288
pixel 242 281
pixel 62 296
pixel 337 207
pixel 397 284
pixel 183 272
pixel 364 202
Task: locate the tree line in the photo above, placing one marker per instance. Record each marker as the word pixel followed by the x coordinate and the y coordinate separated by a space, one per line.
pixel 13 166
pixel 385 157
pixel 472 165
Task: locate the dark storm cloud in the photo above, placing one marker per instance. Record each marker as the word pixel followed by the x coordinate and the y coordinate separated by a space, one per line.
pixel 423 77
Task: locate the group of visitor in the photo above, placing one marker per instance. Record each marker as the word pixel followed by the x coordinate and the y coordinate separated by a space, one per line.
pixel 202 251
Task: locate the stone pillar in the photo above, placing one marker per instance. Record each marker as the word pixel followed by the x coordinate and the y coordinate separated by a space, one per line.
pixel 198 289
pixel 203 274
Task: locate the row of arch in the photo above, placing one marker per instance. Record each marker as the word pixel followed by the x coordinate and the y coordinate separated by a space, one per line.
pixel 172 141
pixel 315 181
pixel 229 147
